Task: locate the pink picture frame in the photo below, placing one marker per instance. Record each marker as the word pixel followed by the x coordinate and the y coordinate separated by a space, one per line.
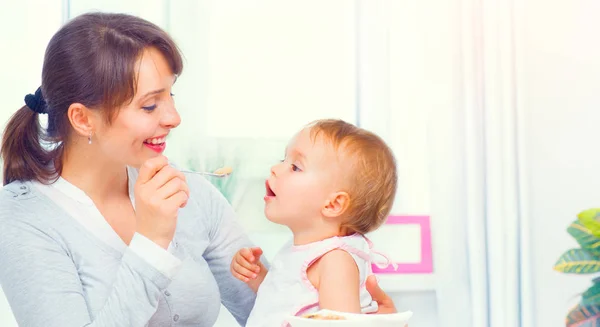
pixel 426 264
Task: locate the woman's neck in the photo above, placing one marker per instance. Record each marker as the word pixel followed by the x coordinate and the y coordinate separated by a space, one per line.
pixel 98 178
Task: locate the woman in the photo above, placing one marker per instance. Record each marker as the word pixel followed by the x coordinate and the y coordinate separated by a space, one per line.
pixel 97 228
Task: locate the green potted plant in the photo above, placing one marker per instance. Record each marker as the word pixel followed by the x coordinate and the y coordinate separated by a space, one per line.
pixel 584 260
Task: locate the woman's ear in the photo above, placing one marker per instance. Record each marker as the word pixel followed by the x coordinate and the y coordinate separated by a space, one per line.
pixel 83 119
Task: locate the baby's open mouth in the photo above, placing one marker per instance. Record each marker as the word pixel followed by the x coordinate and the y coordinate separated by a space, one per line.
pixel 269 190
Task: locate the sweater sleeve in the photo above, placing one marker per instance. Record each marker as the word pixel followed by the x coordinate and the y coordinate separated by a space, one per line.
pixel 43 287
pixel 226 238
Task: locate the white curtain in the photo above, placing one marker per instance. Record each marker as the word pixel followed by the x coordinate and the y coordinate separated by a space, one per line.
pixel 457 64
pixel 491 252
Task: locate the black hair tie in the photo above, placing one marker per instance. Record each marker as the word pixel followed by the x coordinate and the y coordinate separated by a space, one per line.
pixel 36 102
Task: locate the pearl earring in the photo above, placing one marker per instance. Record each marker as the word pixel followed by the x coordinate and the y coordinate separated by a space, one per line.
pixel 90 138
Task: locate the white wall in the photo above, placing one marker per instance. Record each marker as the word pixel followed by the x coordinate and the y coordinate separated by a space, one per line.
pixel 558 83
pixel 24 39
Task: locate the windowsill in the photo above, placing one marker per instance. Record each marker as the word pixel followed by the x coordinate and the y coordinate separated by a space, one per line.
pixel 407 282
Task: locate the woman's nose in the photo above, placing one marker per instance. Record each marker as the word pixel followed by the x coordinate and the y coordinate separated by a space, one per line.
pixel 171 118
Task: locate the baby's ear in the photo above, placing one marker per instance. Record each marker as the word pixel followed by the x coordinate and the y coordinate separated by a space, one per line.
pixel 336 205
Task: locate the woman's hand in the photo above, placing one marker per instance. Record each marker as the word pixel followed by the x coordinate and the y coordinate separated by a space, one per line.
pixel 160 191
pixel 384 301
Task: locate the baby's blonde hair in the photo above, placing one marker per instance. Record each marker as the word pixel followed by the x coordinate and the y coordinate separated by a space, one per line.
pixel 372 176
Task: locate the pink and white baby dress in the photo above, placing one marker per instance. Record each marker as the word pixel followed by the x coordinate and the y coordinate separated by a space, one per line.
pixel 286 289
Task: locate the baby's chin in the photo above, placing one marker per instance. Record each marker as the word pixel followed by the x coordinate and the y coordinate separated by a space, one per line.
pixel 274 218
pixel 271 217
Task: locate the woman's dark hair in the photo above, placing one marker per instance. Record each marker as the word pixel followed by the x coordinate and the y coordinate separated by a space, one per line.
pixel 90 60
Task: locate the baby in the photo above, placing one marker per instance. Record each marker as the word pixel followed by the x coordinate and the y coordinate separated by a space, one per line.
pixel 336 183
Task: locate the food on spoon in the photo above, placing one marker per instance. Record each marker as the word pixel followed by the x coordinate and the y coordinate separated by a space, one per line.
pixel 223 171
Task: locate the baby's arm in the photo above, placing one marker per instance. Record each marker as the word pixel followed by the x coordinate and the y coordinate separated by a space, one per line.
pixel 336 277
pixel 246 266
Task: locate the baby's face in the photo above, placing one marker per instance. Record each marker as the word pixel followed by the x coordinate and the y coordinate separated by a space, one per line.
pixel 300 185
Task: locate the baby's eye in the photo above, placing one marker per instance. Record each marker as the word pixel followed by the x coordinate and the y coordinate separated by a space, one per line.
pixel 295 168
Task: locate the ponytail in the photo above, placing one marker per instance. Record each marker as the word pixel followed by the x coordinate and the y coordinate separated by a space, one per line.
pixel 24 156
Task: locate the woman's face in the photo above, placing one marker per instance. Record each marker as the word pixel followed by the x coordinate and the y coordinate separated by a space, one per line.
pixel 139 130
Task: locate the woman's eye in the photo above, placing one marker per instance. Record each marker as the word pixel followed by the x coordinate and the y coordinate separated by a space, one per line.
pixel 149 108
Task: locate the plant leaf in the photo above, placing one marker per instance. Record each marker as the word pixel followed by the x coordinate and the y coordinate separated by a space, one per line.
pixel 590 219
pixel 578 261
pixel 593 322
pixel 591 296
pixel 584 237
pixel 584 316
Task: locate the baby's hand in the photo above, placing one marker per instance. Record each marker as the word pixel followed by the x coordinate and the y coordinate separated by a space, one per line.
pixel 245 265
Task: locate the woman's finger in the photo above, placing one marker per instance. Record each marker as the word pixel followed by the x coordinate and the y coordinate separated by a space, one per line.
pixel 384 301
pixel 171 188
pixel 162 177
pixel 150 168
pixel 177 200
pixel 373 288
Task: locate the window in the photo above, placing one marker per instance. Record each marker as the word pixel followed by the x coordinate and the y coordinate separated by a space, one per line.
pixel 249 89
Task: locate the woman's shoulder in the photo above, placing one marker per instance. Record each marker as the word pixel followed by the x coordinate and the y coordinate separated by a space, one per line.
pixel 15 195
pixel 21 206
pixel 21 201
